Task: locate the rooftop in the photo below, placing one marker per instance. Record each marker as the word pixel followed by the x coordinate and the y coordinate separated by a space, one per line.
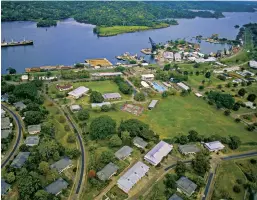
pixel 78 91
pixel 75 107
pixel 123 152
pixel 138 141
pixel 34 128
pixel 61 164
pixel 32 140
pixel 188 148
pixel 253 64
pixel 93 105
pixel 4 187
pixel 216 145
pixel 175 197
pixel 132 176
pixel 20 159
pixel 156 154
pixel 5 123
pixel 186 185
pixel 147 75
pixel 64 87
pixel 111 96
pixel 20 105
pixel 153 103
pixel 183 86
pixel 5 133
pixel 57 186
pixel 107 171
pixel 107 74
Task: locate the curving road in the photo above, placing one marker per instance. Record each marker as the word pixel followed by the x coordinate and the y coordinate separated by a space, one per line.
pixel 19 126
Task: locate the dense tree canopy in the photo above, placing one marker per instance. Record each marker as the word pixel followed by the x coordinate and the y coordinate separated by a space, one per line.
pixel 222 100
pixel 96 97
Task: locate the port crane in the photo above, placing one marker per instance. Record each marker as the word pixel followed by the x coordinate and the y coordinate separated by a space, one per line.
pixel 154 47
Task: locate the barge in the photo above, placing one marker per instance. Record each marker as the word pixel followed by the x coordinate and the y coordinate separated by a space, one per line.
pixel 13 43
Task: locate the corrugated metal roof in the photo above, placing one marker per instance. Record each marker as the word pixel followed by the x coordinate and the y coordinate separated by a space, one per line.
pixel 107 171
pixel 111 96
pixel 79 91
pixel 186 185
pixel 61 164
pixel 57 186
pixel 123 152
pixel 153 103
pixel 20 159
pixel 32 140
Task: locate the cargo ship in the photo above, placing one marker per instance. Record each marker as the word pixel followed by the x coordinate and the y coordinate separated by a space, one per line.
pixel 13 43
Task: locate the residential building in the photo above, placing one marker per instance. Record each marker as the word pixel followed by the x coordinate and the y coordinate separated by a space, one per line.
pixel 34 129
pixel 145 84
pixel 106 74
pixel 245 73
pixel 3 112
pixel 24 77
pixel 5 133
pixel 5 187
pixel 61 165
pixel 123 152
pixel 75 108
pixel 19 105
pixel 188 149
pixel 177 57
pixel 152 104
pixel 111 96
pixel 175 197
pixel 139 142
pixel 132 176
pixel 64 87
pixel 168 55
pixel 94 105
pixel 5 123
pixel 32 141
pixel 147 77
pixel 198 94
pixel 107 172
pixel 186 186
pixel 57 186
pixel 78 92
pixel 20 159
pixel 253 64
pixel 214 146
pixel 158 152
pixel 183 86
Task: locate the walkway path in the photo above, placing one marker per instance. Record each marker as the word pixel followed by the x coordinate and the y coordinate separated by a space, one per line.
pixel 18 140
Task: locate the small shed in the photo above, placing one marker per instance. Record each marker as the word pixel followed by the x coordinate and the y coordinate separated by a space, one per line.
pixel 123 152
pixel 32 141
pixel 75 108
pixel 139 142
pixel 152 104
pixel 107 172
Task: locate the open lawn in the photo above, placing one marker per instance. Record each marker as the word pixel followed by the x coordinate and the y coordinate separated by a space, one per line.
pixel 239 58
pixel 177 115
pixel 227 174
pixel 195 81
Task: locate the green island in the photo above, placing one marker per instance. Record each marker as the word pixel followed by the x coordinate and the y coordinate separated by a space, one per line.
pixel 115 14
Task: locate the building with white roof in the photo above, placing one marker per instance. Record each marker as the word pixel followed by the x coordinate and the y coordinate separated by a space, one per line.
pixel 78 92
pixel 25 77
pixel 94 105
pixel 132 176
pixel 75 108
pixel 168 55
pixel 147 77
pixel 156 154
pixel 214 146
pixel 250 105
pixel 111 96
pixel 32 141
pixel 198 94
pixel 227 69
pixel 107 74
pixel 177 57
pixel 152 104
pixel 183 86
pixel 145 84
pixel 253 64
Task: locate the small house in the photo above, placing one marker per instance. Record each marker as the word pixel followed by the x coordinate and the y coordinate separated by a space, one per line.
pixel 132 176
pixel 145 84
pixel 34 129
pixel 78 92
pixel 57 186
pixel 64 87
pixel 5 133
pixel 152 104
pixel 188 149
pixel 250 105
pixel 3 112
pixel 186 186
pixel 123 152
pixel 158 152
pixel 139 142
pixel 107 172
pixel 111 96
pixel 75 108
pixel 20 159
pixel 198 95
pixel 5 187
pixel 19 105
pixel 4 98
pixel 24 77
pixel 177 57
pixel 214 146
pixel 61 165
pixel 32 141
pixel 147 77
pixel 5 123
pixel 175 197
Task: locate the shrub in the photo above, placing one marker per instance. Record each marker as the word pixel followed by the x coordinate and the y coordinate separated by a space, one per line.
pixel 105 108
pixel 67 127
pixel 237 120
pixel 236 189
pixel 227 112
pixel 253 161
pixel 139 96
pixel 61 119
pixel 239 181
pixel 71 139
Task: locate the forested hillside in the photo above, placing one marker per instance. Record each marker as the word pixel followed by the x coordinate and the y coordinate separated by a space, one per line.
pixel 117 13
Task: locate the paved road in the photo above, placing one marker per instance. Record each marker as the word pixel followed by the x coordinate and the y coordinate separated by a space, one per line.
pixel 240 156
pixel 82 167
pixel 17 120
pixel 206 191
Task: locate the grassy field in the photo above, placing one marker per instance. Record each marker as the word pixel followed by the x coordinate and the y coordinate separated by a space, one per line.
pixel 115 30
pixel 227 174
pixel 177 115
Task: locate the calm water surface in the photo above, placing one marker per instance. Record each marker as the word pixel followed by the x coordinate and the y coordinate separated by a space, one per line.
pixel 71 42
